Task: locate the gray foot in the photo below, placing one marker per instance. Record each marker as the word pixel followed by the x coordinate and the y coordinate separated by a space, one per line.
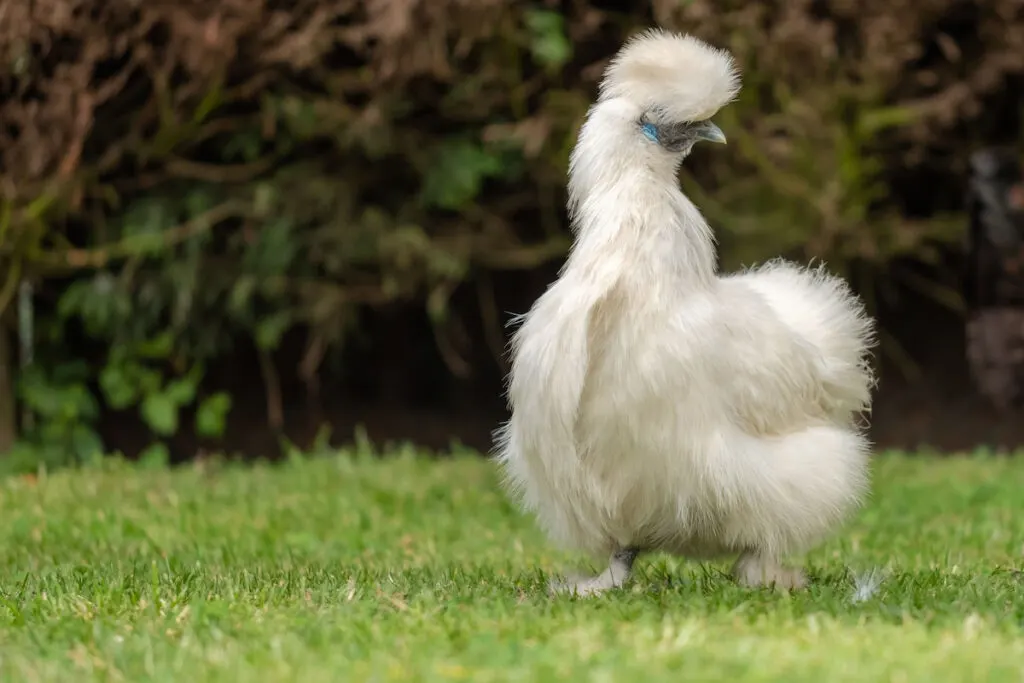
pixel 754 570
pixel 620 567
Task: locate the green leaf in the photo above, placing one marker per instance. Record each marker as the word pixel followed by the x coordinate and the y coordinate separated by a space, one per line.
pixel 148 379
pixel 874 121
pixel 270 330
pixel 548 41
pixel 240 297
pixel 70 372
pixel 273 250
pixel 183 389
pixel 437 304
pixel 457 173
pixel 118 389
pixel 68 401
pixel 211 415
pixel 149 217
pixel 73 300
pixel 244 146
pixel 158 347
pixel 155 456
pixel 161 413
pixel 264 199
pixel 199 200
pixel 98 302
pixel 85 443
pixel 211 100
pixel 180 391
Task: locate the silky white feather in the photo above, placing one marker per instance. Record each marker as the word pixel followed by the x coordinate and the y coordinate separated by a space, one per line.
pixel 657 405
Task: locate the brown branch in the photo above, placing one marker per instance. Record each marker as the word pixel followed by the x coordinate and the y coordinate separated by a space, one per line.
pixel 10 284
pixel 442 332
pixel 275 406
pixel 321 288
pixel 218 173
pixel 136 245
pixel 521 257
pixel 491 322
pixel 310 363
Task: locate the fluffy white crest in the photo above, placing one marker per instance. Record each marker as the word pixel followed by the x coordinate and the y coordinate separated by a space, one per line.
pixel 679 76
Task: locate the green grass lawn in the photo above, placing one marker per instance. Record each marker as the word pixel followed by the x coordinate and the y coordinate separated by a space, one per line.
pixel 350 569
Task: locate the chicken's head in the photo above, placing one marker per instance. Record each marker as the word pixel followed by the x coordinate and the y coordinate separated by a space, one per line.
pixel 668 86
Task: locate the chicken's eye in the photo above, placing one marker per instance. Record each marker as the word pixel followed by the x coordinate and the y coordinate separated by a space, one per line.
pixel 650 132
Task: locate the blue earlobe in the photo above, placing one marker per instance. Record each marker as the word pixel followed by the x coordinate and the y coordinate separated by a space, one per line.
pixel 650 132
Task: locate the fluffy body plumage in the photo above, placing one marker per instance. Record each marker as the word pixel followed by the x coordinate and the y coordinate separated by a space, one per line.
pixel 657 405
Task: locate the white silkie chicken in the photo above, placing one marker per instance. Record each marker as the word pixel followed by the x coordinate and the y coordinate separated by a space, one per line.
pixel 657 405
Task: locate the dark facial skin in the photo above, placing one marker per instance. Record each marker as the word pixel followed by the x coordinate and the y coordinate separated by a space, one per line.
pixel 680 137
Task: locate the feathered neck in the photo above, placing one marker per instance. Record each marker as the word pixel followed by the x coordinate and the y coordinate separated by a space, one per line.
pixel 628 213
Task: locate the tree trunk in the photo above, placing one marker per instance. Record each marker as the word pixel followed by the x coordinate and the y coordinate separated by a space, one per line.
pixel 8 414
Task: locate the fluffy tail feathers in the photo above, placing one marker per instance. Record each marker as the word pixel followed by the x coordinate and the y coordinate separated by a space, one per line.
pixel 822 309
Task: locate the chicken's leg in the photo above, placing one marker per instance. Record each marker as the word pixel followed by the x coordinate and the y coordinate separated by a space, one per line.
pixel 620 568
pixel 755 569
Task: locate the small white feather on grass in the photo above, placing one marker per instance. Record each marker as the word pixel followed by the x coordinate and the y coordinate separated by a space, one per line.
pixel 866 584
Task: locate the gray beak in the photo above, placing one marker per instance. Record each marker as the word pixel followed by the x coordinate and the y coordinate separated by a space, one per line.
pixel 709 131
